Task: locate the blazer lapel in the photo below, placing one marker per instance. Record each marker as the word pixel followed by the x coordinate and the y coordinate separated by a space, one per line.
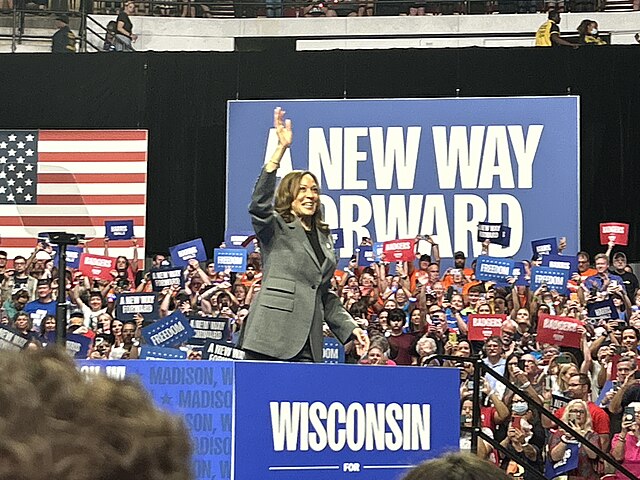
pixel 299 231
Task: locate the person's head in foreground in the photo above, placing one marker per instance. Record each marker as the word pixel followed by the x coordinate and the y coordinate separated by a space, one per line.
pixel 55 423
pixel 456 466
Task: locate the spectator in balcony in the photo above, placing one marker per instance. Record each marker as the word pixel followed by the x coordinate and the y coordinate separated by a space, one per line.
pixel 588 30
pixel 110 37
pixel 548 35
pixel 124 29
pixel 315 8
pixel 64 40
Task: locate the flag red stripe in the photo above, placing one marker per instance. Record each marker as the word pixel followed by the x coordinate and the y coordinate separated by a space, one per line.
pixel 64 221
pixel 14 242
pixel 91 199
pixel 92 156
pixel 92 178
pixel 92 135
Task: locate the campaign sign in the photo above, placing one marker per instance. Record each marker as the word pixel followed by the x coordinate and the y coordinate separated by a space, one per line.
pixel 562 331
pixel 11 339
pixel 77 346
pixel 567 463
pixel 129 304
pixel 554 278
pixel 200 392
pixel 399 250
pixel 182 253
pixel 359 428
pixel 332 351
pixel 488 231
pixel 97 266
pixel 243 239
pixel 208 328
pixel 504 239
pixel 493 269
pixel 563 262
pixel 232 259
pixel 168 332
pixel 73 255
pixel 378 251
pixel 162 278
pixel 604 310
pixel 545 246
pixel 396 168
pixel 365 255
pixel 482 327
pixel 617 233
pixel 161 353
pixel 520 273
pixel 221 350
pixel 338 237
pixel 119 229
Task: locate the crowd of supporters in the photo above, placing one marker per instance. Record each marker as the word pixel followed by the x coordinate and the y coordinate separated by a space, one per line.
pixel 416 312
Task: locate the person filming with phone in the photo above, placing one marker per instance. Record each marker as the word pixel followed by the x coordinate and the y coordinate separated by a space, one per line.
pixel 564 447
pixel 625 447
pixel 579 388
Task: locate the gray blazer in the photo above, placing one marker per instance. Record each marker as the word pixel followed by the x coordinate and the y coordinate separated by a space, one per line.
pixel 295 297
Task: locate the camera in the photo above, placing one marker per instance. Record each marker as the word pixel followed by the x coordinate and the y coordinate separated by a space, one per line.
pixel 122 283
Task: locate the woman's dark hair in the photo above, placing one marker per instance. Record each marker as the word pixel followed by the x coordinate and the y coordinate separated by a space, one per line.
pixel 44 320
pixel 127 262
pixel 583 27
pixel 288 191
pixel 359 309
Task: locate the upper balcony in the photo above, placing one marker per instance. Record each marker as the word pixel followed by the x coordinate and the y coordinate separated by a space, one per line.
pixel 241 25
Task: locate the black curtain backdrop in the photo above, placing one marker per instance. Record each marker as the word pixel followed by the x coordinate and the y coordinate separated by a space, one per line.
pixel 181 99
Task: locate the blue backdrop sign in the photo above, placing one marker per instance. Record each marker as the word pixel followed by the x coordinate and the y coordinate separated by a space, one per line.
pixel 393 169
pixel 279 421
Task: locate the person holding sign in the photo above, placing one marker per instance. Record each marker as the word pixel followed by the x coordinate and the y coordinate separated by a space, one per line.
pixel 285 319
pixel 577 416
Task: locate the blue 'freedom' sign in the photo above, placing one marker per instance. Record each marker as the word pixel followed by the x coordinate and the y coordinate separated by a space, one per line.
pixel 392 169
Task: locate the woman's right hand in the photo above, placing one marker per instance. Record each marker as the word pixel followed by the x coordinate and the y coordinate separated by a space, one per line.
pixel 283 128
pixel 627 426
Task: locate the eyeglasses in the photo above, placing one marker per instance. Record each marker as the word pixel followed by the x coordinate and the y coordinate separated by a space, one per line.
pixel 577 411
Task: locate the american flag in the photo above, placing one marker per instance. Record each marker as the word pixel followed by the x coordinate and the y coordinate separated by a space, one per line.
pixel 71 180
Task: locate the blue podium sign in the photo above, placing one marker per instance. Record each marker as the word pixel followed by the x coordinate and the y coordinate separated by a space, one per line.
pixel 285 421
pixel 344 424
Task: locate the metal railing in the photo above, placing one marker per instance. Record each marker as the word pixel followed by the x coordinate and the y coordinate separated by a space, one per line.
pixel 479 371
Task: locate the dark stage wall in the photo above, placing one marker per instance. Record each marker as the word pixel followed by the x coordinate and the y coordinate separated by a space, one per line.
pixel 181 99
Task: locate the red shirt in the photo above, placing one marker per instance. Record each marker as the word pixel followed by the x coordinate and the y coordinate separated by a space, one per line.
pixel 599 418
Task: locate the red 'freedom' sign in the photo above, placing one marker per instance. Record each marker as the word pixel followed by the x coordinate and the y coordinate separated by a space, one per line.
pixel 399 250
pixel 618 233
pixel 562 331
pixel 97 266
pixel 484 326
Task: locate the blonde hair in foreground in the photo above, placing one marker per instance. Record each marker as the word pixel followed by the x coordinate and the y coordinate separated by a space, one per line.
pixel 56 424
